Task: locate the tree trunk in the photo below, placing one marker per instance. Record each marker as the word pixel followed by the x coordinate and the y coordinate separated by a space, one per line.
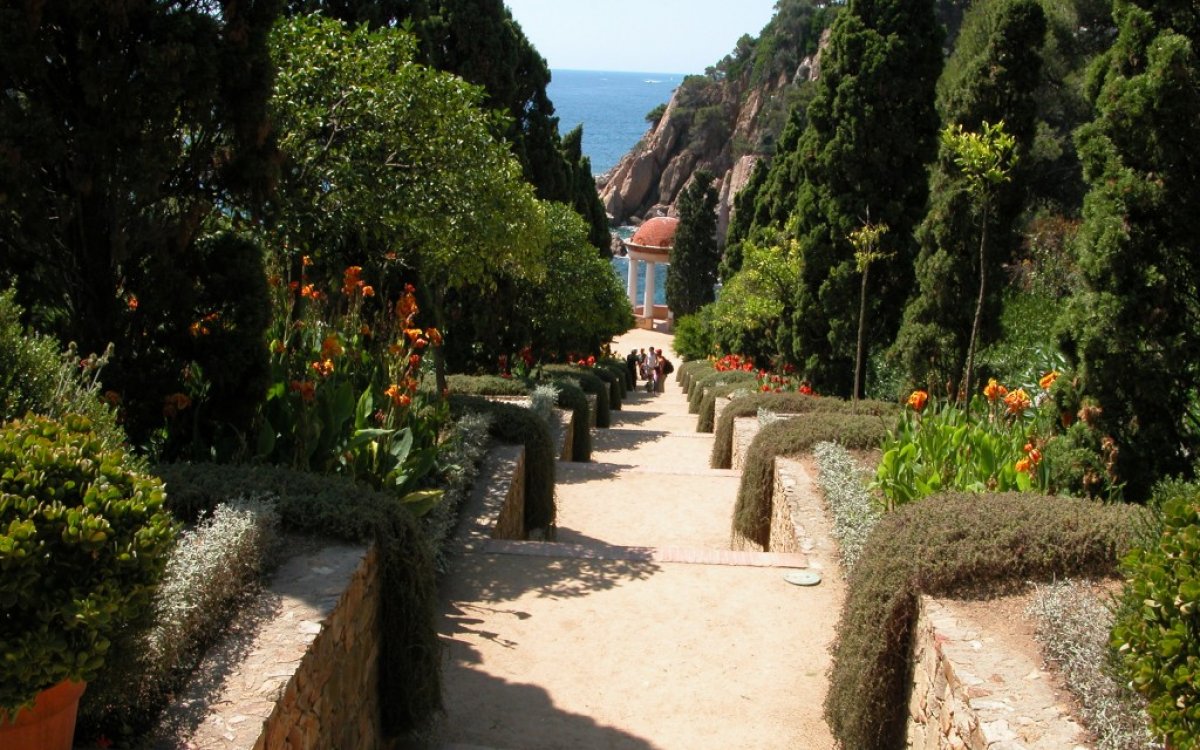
pixel 970 368
pixel 862 328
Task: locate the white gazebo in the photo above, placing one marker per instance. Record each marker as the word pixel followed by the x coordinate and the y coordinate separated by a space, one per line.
pixel 650 244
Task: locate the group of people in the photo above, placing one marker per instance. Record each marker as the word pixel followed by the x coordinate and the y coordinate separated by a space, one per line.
pixel 649 366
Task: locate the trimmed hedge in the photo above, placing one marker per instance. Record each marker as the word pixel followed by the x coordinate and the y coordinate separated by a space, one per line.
pixel 518 425
pixel 410 680
pixel 703 385
pixel 707 411
pixel 487 385
pixel 617 367
pixel 752 513
pixel 571 396
pixel 787 403
pixel 950 545
pixel 613 381
pixel 590 383
pixel 686 371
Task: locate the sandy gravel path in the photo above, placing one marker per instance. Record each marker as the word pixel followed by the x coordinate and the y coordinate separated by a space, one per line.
pixel 596 642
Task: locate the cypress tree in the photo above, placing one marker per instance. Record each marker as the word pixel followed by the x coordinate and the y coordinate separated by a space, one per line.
pixel 694 258
pixel 584 197
pixel 872 128
pixel 991 77
pixel 1134 334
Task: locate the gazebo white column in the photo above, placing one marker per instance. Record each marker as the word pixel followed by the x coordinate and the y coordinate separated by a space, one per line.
pixel 632 286
pixel 648 297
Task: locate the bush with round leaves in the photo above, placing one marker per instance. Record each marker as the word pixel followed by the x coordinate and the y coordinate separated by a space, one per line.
pixel 1157 629
pixel 83 542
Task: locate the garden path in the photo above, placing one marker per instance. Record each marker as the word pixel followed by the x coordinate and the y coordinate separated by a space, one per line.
pixel 637 628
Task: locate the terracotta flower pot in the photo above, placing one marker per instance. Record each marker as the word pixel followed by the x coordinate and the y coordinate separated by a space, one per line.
pixel 49 725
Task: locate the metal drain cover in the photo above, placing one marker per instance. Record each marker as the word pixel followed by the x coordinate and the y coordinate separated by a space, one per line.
pixel 802 577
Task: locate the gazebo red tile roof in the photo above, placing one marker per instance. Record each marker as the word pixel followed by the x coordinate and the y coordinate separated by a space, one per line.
pixel 658 232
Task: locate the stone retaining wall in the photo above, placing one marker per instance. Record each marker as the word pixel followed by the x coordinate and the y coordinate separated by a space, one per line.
pixel 973 692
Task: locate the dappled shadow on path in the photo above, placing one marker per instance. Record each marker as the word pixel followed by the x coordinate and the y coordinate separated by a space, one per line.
pixel 583 473
pixel 623 440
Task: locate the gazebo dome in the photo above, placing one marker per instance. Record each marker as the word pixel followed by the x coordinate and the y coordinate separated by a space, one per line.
pixel 657 234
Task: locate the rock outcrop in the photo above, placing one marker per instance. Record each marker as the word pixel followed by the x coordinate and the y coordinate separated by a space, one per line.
pixel 725 124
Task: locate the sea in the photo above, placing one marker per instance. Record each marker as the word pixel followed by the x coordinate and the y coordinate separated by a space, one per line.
pixel 612 108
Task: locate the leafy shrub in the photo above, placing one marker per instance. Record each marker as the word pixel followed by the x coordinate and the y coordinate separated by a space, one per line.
pixel 752 512
pixel 612 380
pixel 590 383
pixel 946 545
pixel 515 424
pixel 410 682
pixel 1157 630
pixel 729 383
pixel 844 484
pixel 685 372
pixel 785 403
pixel 207 574
pixel 693 341
pixel 543 399
pixel 1073 627
pixel 621 373
pixel 700 387
pixel 83 542
pixel 37 376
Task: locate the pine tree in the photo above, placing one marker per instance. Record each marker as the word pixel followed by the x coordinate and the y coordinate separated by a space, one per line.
pixel 871 130
pixel 1134 335
pixel 695 257
pixel 991 77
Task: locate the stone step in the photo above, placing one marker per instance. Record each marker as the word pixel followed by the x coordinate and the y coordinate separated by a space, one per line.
pixel 679 555
pixel 602 468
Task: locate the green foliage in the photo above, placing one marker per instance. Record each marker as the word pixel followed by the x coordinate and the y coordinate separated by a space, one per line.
pixel 36 377
pixel 858 149
pixel 655 115
pixel 686 371
pixel 118 166
pixel 579 304
pixel 990 78
pixel 844 483
pixel 590 383
pixel 790 437
pixel 1157 631
pixel 692 273
pixel 752 317
pixel 615 373
pixel 1133 333
pixel 699 389
pixel 693 335
pixel 486 385
pixel 584 197
pixel 410 682
pixel 206 580
pixel 735 382
pixel 518 425
pixel 571 396
pixel 947 545
pixel 83 542
pixel 344 397
pixel 980 449
pixel 788 403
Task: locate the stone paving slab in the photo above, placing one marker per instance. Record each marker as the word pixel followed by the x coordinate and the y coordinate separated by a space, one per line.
pixel 685 555
pixel 652 448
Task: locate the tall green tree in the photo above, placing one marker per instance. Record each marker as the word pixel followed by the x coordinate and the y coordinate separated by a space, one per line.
pixel 692 275
pixel 992 76
pixel 584 198
pixel 131 136
pixel 1134 334
pixel 872 128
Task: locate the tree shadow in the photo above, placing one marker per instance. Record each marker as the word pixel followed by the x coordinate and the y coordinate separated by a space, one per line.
pixel 582 473
pixel 620 440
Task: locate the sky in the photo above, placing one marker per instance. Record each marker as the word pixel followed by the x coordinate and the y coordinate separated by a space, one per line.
pixel 644 36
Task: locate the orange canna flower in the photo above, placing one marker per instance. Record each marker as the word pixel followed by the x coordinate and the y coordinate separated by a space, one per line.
pixel 323 368
pixel 306 388
pixel 132 302
pixel 413 333
pixel 352 280
pixel 993 390
pixel 331 347
pixel 198 329
pixel 1048 380
pixel 414 361
pixel 918 399
pixel 368 290
pixel 305 261
pixel 398 395
pixel 365 330
pixel 1017 401
pixel 175 403
pixel 1023 466
pixel 436 336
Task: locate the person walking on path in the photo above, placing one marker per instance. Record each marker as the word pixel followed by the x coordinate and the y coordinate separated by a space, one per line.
pixel 631 366
pixel 654 375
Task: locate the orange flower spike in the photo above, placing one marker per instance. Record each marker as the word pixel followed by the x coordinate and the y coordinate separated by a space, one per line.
pixel 395 393
pixel 368 290
pixel 352 280
pixel 993 390
pixel 331 347
pixel 1023 466
pixel 1048 379
pixel 1017 401
pixel 918 399
pixel 414 361
pixel 132 303
pixel 365 330
pixel 435 336
pixel 305 261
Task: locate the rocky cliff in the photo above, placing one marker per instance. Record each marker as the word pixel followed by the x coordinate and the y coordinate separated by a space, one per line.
pixel 724 121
